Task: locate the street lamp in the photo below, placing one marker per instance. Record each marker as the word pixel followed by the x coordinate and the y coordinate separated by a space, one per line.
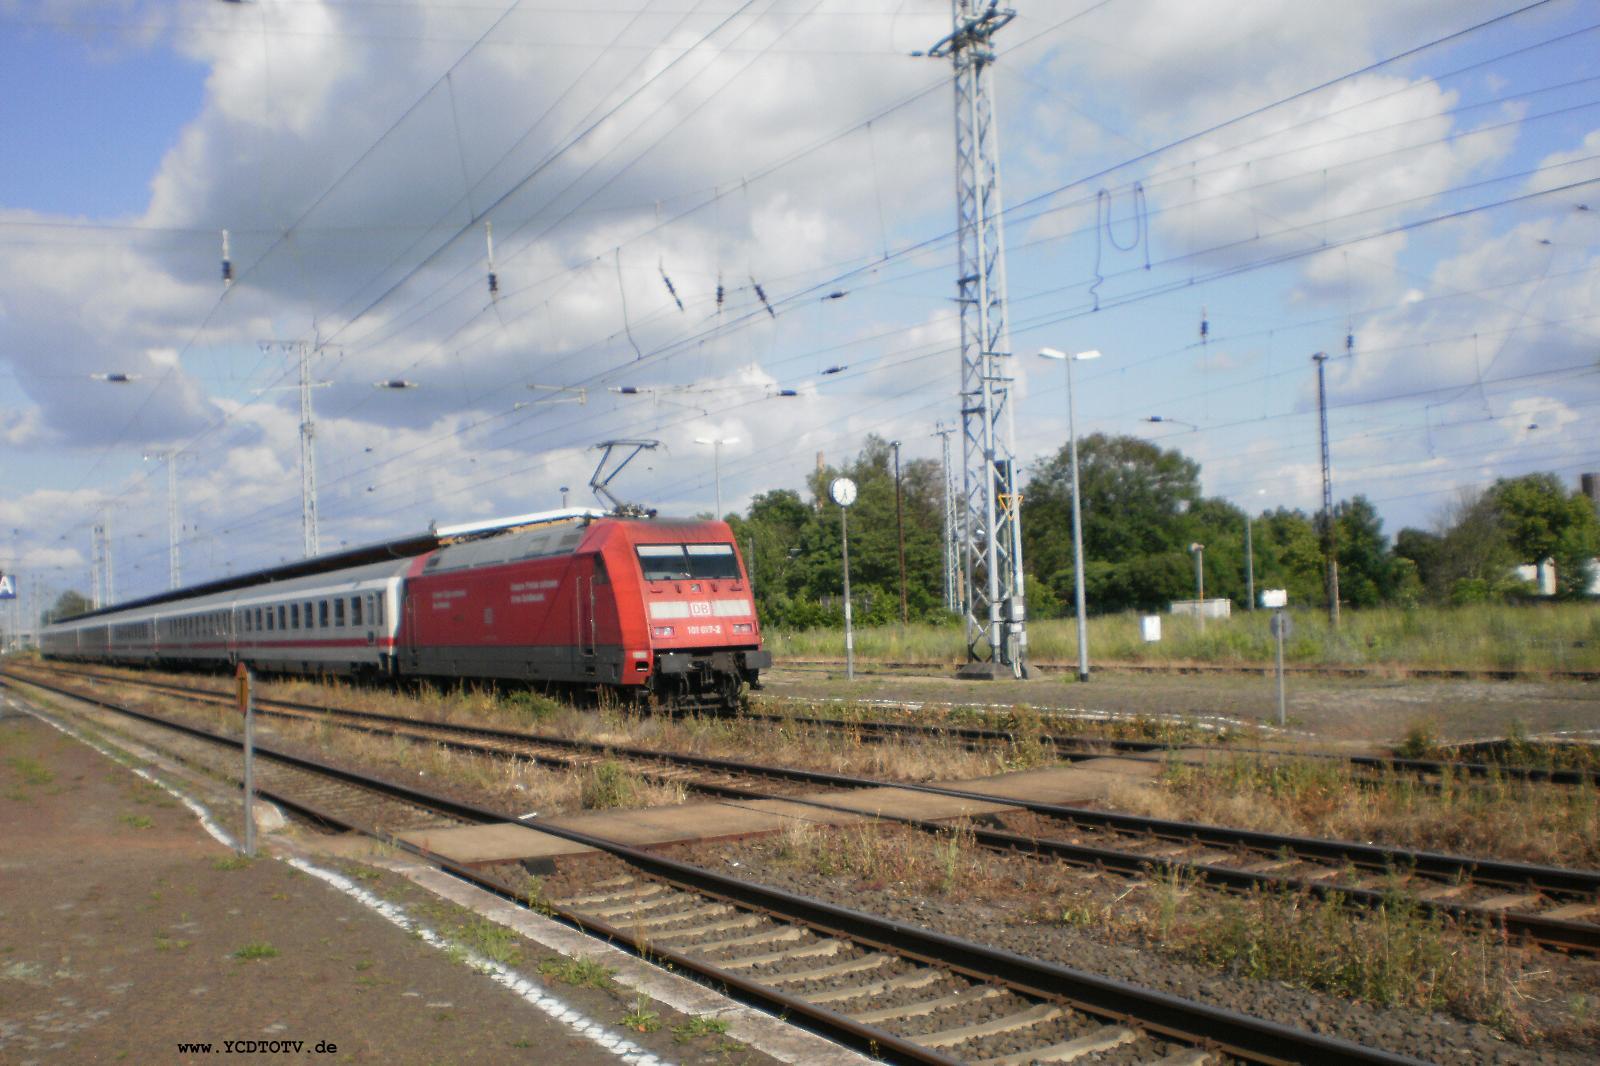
pixel 1077 512
pixel 1199 551
pixel 900 530
pixel 716 463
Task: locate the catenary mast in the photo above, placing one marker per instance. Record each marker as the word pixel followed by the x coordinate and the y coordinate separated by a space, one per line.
pixel 989 511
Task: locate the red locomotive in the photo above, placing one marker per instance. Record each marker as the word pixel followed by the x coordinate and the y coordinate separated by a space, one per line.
pixel 643 607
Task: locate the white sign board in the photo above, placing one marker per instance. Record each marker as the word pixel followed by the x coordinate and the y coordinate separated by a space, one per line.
pixel 1274 597
pixel 1150 628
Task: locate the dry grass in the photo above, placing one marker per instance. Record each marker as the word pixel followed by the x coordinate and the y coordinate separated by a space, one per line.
pixel 1531 637
pixel 1395 956
pixel 1498 818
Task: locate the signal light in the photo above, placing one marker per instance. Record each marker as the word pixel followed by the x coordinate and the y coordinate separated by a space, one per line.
pixel 661 631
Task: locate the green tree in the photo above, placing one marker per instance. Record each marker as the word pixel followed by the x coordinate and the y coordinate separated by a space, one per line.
pixel 1289 556
pixel 1366 570
pixel 1134 497
pixel 1424 552
pixel 1476 561
pixel 1543 522
pixel 69 604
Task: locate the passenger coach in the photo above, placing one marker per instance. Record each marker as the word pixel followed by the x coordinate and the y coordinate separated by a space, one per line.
pixel 646 607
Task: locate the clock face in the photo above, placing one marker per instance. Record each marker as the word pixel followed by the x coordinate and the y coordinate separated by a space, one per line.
pixel 843 491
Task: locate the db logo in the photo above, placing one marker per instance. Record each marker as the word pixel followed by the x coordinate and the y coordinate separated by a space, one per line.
pixel 700 609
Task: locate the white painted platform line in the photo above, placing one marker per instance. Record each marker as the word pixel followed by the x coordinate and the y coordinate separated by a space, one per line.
pixel 618 1045
pixel 529 991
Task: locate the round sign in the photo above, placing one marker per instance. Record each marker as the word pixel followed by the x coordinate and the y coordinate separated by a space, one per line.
pixel 843 491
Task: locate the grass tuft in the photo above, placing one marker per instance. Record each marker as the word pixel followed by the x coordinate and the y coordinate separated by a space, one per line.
pixel 577 971
pixel 699 1026
pixel 609 784
pixel 640 1018
pixel 256 949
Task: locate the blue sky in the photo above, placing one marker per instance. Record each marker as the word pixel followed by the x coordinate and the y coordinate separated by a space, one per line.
pixel 354 153
pixel 87 124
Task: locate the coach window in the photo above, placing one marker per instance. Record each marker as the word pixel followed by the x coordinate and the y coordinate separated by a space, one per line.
pixel 249 625
pixel 355 610
pixel 322 614
pixel 377 615
pixel 338 612
pixel 294 616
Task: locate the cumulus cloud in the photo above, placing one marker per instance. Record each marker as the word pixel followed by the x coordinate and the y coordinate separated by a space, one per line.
pixel 354 153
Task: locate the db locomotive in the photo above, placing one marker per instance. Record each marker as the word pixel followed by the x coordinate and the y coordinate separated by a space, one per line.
pixel 648 609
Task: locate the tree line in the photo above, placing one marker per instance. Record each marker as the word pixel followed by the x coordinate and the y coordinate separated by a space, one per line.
pixel 1142 509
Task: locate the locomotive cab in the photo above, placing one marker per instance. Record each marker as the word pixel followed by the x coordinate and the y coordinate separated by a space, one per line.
pixel 703 638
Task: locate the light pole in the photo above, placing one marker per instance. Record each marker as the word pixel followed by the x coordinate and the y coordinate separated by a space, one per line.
pixel 1199 551
pixel 716 464
pixel 843 491
pixel 900 531
pixel 1249 563
pixel 1077 507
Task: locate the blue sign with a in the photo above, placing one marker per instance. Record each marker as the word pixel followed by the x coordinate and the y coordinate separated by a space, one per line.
pixel 8 587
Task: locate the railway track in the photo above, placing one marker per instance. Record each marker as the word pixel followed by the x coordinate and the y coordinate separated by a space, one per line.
pixel 819 664
pixel 1068 746
pixel 1553 906
pixel 892 990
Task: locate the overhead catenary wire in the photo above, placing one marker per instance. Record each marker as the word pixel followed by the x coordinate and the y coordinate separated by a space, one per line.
pixel 769 307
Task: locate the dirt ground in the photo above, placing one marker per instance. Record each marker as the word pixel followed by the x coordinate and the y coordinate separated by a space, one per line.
pixel 1360 711
pixel 126 930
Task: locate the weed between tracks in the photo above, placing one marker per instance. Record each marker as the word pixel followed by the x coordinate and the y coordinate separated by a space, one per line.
pixel 1498 817
pixel 1396 956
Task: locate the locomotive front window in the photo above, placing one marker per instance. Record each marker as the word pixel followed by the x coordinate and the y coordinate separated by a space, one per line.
pixel 712 561
pixel 663 562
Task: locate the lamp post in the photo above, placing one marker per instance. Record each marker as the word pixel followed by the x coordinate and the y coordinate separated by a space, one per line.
pixel 900 531
pixel 1199 551
pixel 716 464
pixel 1077 507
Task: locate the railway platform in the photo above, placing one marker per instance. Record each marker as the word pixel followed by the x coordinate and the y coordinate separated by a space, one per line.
pixel 732 819
pixel 127 933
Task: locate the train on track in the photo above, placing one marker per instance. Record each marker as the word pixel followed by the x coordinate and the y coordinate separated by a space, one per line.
pixel 647 609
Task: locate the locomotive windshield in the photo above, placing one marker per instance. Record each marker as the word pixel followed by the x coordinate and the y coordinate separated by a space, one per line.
pixel 674 562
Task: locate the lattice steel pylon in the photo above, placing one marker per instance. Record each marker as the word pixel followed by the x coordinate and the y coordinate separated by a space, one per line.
pixel 308 435
pixel 989 513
